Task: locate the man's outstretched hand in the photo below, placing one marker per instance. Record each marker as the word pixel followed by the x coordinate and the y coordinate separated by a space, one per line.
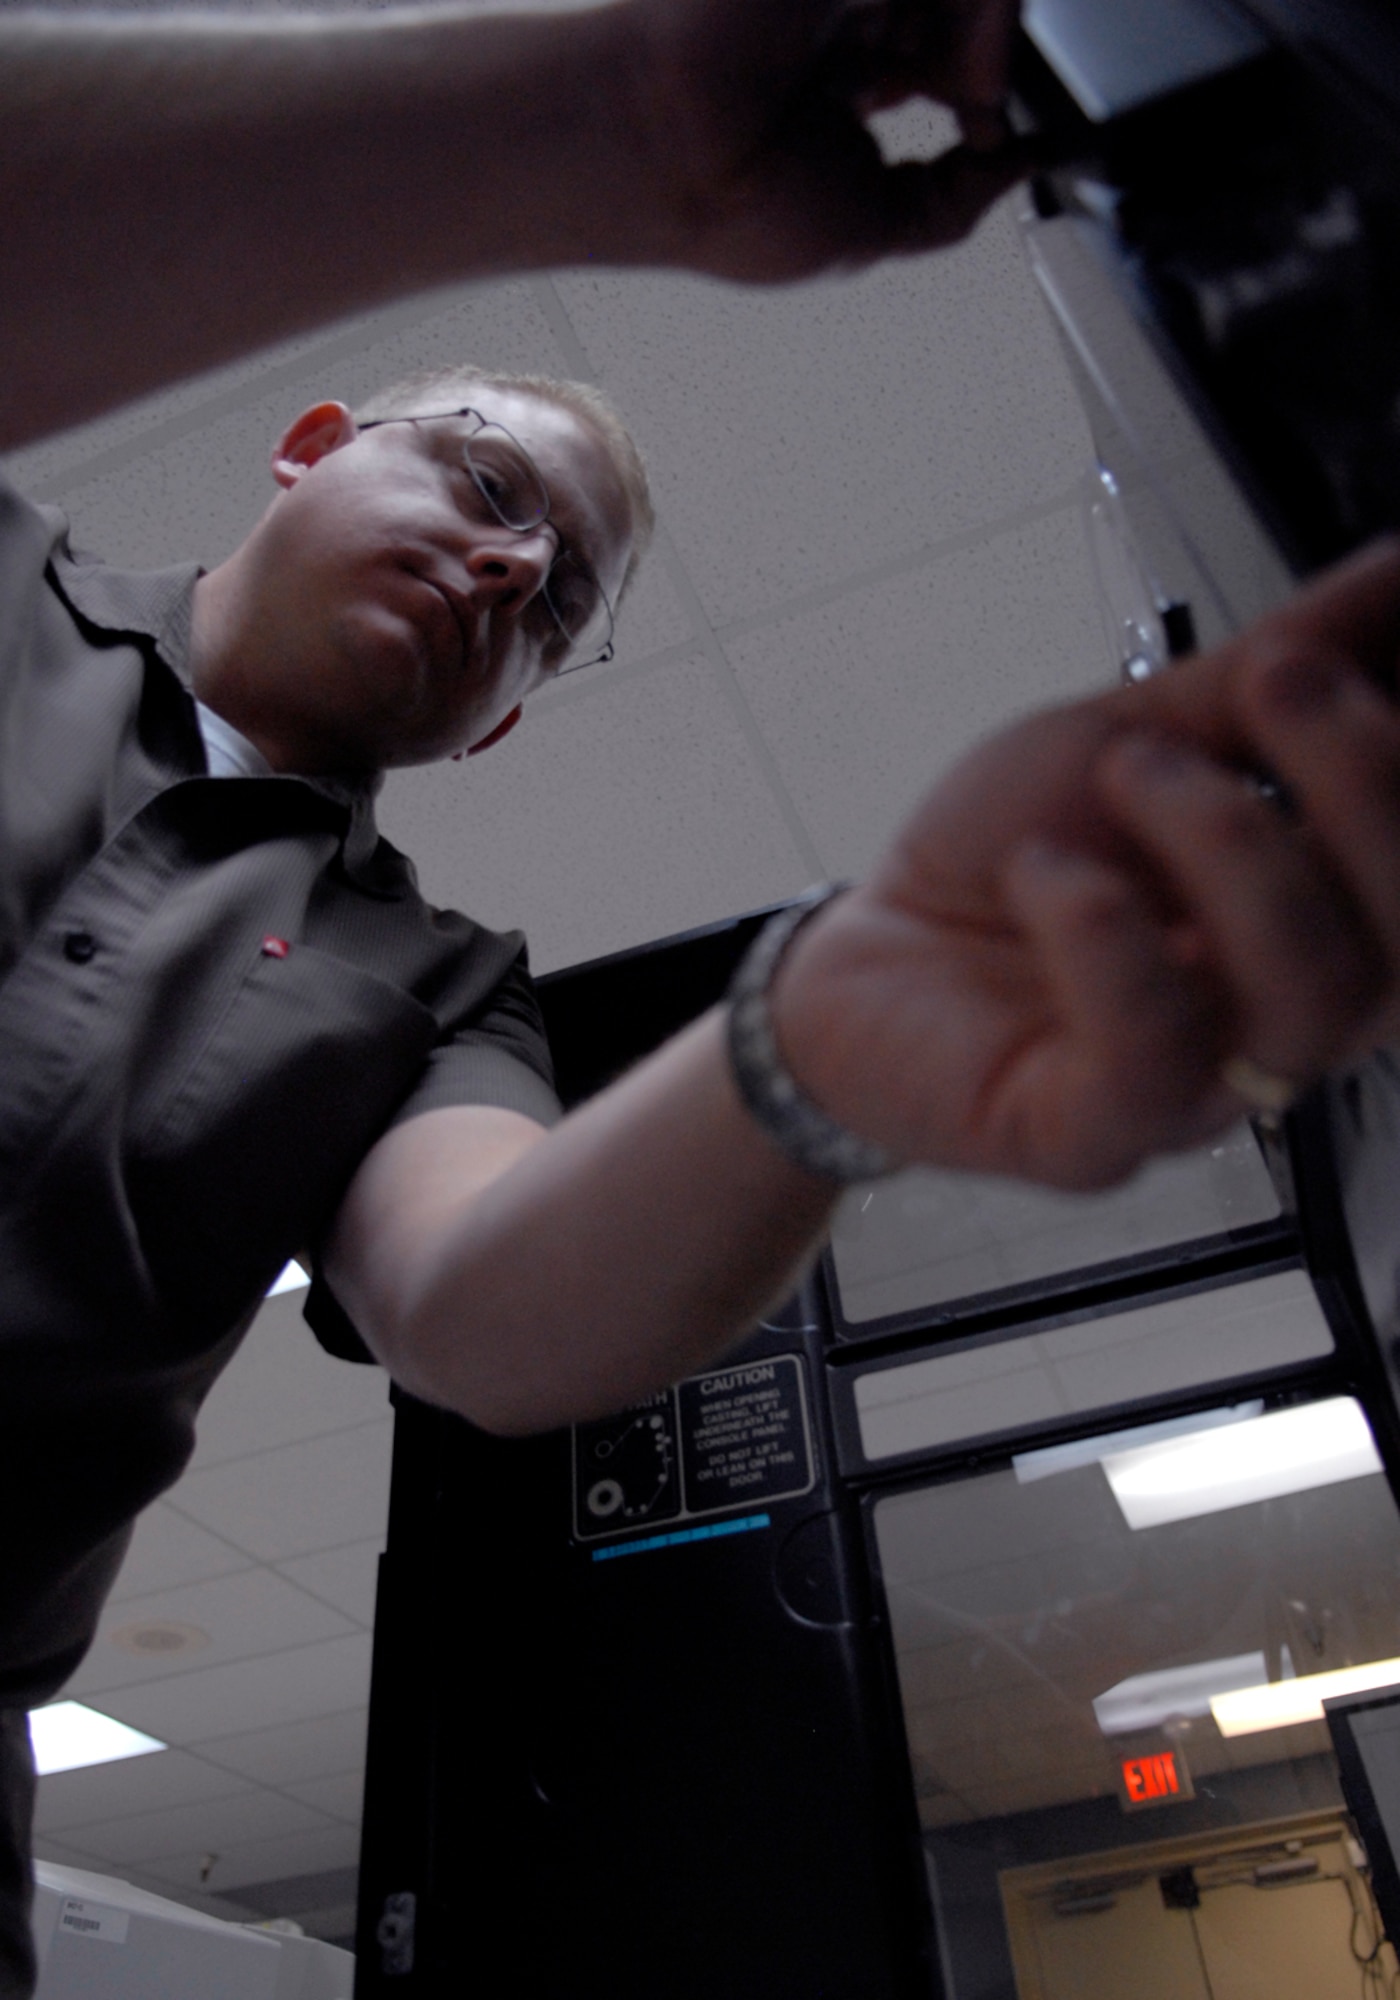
pixel 1104 905
pixel 752 117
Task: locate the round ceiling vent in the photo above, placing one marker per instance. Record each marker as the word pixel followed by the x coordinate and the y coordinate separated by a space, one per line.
pixel 154 1638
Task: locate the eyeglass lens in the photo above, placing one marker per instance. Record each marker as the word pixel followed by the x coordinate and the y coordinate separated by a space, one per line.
pixel 516 494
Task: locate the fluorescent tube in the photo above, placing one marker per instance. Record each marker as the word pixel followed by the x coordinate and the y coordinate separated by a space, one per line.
pixel 1283 1704
pixel 1289 1451
pixel 67 1735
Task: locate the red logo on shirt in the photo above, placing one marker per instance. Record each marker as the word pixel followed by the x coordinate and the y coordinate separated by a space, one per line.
pixel 274 947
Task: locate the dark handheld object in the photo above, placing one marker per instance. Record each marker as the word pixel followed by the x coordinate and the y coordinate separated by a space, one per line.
pixel 1217 231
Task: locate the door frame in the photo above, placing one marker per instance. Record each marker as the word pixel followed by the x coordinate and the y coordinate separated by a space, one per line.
pixel 1129 1865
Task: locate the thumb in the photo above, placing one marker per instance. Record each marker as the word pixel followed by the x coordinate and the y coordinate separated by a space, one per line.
pixel 925 205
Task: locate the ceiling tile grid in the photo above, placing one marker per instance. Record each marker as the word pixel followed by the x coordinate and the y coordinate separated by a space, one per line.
pixel 286 1389
pixel 241 1615
pixel 214 1825
pixel 619 818
pixel 802 434
pixel 168 1549
pixel 318 1493
pixel 293 1753
pixel 286 1686
pixel 138 1785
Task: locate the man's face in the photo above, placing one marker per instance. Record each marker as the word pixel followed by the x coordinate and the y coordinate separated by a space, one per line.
pixel 400 622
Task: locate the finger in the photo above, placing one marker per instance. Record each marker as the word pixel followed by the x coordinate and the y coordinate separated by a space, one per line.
pixel 1351 611
pixel 1297 958
pixel 978 71
pixel 1133 1066
pixel 956 51
pixel 1350 614
pixel 984 130
pixel 825 197
pixel 928 204
pixel 1334 740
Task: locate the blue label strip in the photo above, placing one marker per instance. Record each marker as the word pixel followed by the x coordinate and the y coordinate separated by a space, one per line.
pixel 709 1534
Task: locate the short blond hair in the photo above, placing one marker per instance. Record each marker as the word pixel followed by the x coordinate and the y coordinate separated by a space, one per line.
pixel 444 387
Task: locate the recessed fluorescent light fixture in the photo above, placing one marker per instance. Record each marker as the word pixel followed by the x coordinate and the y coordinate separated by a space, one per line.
pixel 1283 1704
pixel 290 1279
pixel 1146 1701
pixel 1288 1451
pixel 67 1735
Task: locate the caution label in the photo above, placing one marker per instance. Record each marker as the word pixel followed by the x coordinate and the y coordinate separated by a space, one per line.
pixel 744 1435
pixel 626 1473
pixel 716 1442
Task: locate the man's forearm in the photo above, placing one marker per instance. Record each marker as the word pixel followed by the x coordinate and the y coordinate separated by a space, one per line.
pixel 179 190
pixel 634 1242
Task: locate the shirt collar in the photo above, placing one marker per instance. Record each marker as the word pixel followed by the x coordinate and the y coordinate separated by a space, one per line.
pixel 159 605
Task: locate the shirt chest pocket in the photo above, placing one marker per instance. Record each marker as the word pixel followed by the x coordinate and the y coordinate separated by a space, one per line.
pixel 246 1157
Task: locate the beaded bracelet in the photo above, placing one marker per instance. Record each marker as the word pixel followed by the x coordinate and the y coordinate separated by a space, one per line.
pixel 771 1094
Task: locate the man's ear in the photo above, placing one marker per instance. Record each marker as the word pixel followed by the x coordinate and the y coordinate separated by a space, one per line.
pixel 323 428
pixel 502 728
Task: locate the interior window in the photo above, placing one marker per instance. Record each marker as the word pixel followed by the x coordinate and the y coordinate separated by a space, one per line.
pixel 1112 1661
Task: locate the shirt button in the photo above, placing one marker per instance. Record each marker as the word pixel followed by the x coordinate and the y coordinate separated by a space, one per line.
pixel 79 947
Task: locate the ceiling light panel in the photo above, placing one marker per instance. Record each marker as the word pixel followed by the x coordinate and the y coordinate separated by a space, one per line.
pixel 1146 1701
pixel 67 1735
pixel 1288 1451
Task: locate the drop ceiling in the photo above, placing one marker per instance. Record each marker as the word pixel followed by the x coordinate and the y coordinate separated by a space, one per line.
pixel 871 551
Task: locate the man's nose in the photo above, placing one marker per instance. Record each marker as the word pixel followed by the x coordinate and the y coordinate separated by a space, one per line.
pixel 508 570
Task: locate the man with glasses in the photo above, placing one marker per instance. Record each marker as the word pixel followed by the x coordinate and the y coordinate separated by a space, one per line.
pixel 231 1028
pixel 191 885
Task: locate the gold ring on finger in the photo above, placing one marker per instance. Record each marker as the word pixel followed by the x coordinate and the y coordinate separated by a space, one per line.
pixel 1260 1088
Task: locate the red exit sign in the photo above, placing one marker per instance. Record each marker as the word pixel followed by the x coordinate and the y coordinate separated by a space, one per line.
pixel 1157 1780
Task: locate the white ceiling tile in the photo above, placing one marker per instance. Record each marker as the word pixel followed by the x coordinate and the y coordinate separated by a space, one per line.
pixel 317 1494
pixel 603 822
pixel 194 477
pixel 168 1550
pixel 336 1924
pixel 46 1848
pixel 316 1746
pixel 163 1779
pixel 332 1846
pixel 650 618
pixel 203 1827
pixel 207 1702
pixel 280 1386
pixel 800 434
pixel 868 700
pixel 342 1796
pixel 249 1612
pixel 347 1578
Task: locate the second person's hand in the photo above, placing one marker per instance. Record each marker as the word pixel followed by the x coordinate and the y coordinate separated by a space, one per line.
pixel 1100 912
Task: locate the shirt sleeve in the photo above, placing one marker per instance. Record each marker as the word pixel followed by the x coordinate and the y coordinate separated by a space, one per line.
pixel 498 1057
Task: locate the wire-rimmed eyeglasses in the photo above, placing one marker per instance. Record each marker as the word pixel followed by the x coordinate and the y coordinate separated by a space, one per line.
pixel 513 488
